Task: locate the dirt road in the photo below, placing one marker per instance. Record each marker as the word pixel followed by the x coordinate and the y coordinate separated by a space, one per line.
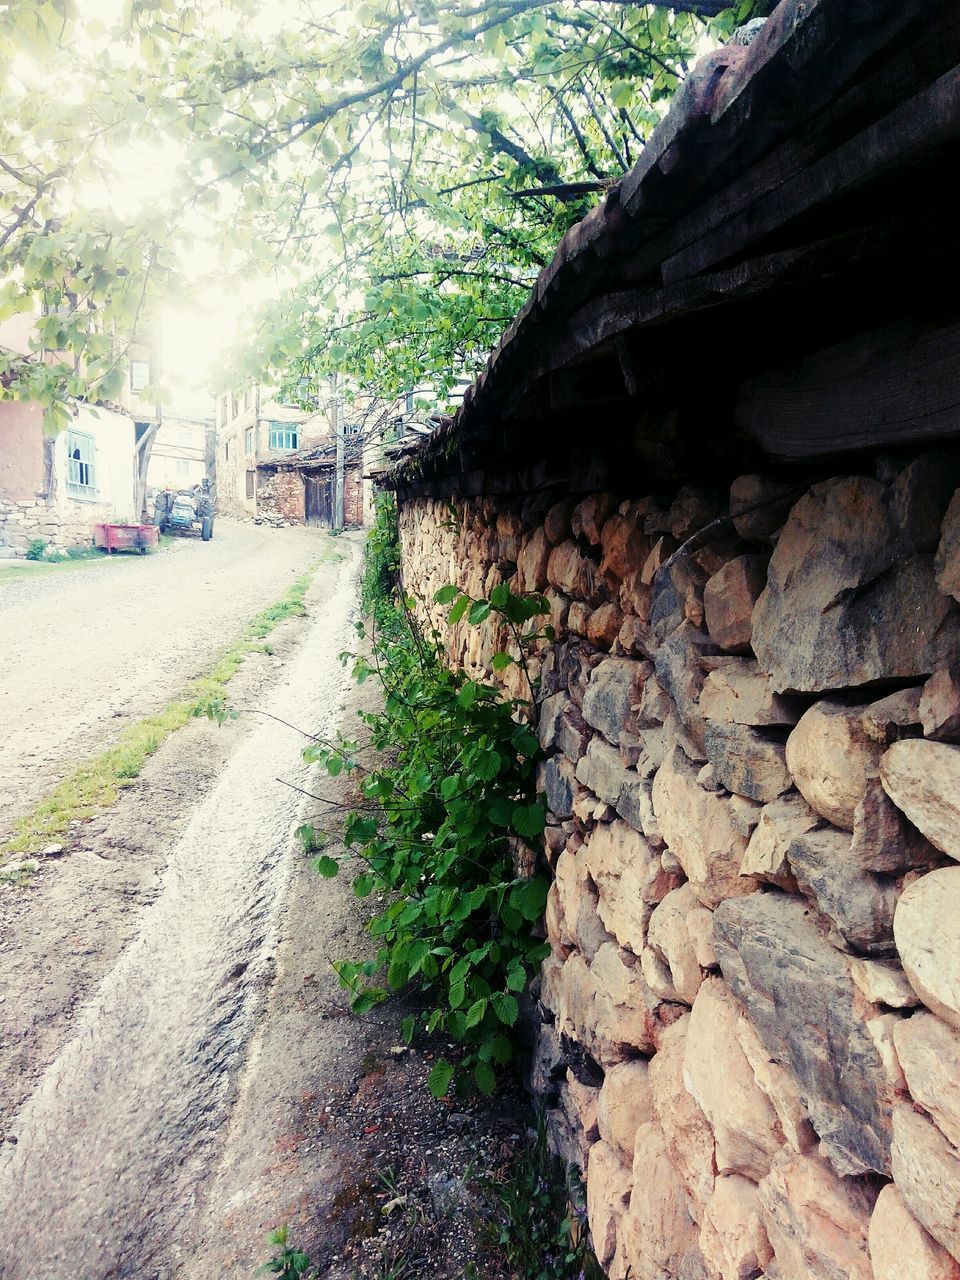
pixel 86 652
pixel 105 1163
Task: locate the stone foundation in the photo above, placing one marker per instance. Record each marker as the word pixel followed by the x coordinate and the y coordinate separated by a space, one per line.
pixel 750 1017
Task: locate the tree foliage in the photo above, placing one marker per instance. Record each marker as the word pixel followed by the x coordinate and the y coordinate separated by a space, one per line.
pixel 407 167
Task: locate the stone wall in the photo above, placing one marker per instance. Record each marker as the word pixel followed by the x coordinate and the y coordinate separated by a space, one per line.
pixel 749 1035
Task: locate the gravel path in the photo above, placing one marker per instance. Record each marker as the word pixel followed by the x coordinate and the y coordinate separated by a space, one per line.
pixel 86 652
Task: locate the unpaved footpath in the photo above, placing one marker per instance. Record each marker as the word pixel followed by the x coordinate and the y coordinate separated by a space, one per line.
pixel 84 652
pixel 106 1164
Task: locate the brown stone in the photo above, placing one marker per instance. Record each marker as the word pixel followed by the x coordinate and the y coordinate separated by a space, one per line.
pixel 625 1102
pixel 581 925
pixel 940 706
pixel 778 826
pixel 817 1223
pixel 630 880
pixel 588 516
pixel 831 758
pixel 738 692
pixel 883 982
pixel 657 1229
pixel 556 523
pixel 691 510
pixel 844 604
pixel 759 506
pixel 883 839
pixel 900 1249
pixel 667 934
pixel 609 1183
pixel 859 903
pixel 661 551
pixel 633 637
pixel 929 1054
pixel 948 550
pixel 625 546
pixel 717 1073
pixel 920 494
pixel 614 688
pixel 780 1086
pixel 626 1009
pixel 700 929
pixel 747 761
pixel 698 827
pixel 798 994
pixel 733 1239
pixel 532 563
pixel 676 595
pixel 923 780
pixel 895 716
pixel 928 940
pixel 686 1129
pixel 604 625
pixel 570 572
pixel 728 601
pixel 926 1170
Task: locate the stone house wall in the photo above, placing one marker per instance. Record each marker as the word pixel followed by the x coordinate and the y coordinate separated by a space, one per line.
pixel 749 1024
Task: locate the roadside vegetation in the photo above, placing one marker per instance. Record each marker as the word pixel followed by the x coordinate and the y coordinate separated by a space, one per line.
pixel 95 785
pixel 447 800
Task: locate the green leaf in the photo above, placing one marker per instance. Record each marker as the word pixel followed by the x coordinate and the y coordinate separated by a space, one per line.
pixel 500 661
pixel 485 1077
pixel 446 594
pixel 479 611
pixel 505 1007
pixel 458 610
pixel 327 866
pixel 529 820
pixel 439 1079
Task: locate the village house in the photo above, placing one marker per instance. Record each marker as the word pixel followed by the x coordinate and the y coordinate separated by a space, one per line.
pixel 183 453
pixel 55 487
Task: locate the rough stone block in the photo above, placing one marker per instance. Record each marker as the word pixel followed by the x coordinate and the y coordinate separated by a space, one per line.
pixel 733 1239
pixel 929 1054
pixel 927 938
pixel 602 770
pixel 609 1183
pixel 667 934
pixel 625 1103
pixel 716 1072
pixel 759 506
pixel 947 560
pixel 657 1229
pixel 676 595
pixel 859 903
pixel 797 991
pixel 831 758
pixel 588 516
pixel 926 1170
pixel 900 1249
pixel 940 706
pixel 686 1130
pixel 844 606
pixel 920 495
pixel 923 780
pixel 614 688
pixel 630 880
pixel 699 829
pixel 738 692
pixel 747 761
pixel 817 1223
pixel 777 827
pixel 728 601
pixel 604 625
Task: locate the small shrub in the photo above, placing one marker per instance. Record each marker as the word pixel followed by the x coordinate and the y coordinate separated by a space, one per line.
pixel 80 552
pixel 36 549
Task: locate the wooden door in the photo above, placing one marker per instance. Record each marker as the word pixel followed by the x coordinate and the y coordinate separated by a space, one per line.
pixel 318 499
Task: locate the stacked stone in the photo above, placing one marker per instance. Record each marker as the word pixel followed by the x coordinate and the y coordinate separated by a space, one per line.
pixel 22 522
pixel 751 716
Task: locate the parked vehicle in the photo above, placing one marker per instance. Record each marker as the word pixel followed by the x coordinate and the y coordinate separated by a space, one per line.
pixel 185 511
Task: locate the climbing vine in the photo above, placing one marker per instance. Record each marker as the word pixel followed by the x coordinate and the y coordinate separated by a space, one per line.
pixel 441 812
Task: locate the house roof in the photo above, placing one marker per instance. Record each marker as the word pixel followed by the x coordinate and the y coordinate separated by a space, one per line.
pixel 796 188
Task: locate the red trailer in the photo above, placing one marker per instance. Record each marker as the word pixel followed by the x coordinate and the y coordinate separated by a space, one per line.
pixel 126 537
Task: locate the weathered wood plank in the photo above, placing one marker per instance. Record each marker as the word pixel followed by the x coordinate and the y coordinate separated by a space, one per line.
pixel 899 385
pixel 929 120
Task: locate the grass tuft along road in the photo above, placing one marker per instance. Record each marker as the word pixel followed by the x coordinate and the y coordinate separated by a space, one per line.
pixel 95 785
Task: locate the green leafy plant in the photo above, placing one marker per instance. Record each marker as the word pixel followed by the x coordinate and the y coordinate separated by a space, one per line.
pixel 36 549
pixel 533 1223
pixel 292 1264
pixel 436 828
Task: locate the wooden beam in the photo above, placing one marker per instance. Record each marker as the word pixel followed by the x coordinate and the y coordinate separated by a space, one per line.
pixel 899 385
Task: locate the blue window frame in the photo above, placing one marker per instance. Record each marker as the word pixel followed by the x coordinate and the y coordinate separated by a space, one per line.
pixel 283 436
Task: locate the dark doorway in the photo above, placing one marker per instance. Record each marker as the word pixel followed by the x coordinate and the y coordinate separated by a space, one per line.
pixel 318 499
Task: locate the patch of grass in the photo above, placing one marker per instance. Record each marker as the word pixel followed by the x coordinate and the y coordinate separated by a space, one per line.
pixel 96 784
pixel 42 567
